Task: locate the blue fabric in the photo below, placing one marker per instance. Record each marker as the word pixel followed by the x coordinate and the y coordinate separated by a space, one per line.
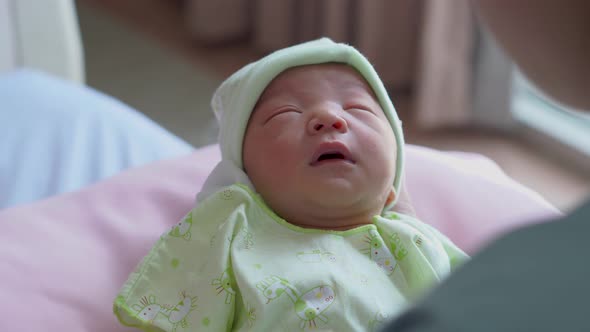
pixel 56 136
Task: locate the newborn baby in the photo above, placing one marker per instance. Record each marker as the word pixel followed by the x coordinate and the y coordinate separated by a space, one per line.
pixel 294 229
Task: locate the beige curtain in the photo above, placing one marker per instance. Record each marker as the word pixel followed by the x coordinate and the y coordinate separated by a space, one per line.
pixel 443 94
pixel 422 46
pixel 385 31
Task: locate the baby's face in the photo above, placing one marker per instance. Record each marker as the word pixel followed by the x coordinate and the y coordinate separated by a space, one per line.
pixel 318 144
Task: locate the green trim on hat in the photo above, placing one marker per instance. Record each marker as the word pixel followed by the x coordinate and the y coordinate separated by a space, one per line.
pixel 234 100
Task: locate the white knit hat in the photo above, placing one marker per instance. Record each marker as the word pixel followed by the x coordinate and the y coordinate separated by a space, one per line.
pixel 234 101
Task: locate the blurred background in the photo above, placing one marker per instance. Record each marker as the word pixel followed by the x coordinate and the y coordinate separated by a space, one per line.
pixel 452 85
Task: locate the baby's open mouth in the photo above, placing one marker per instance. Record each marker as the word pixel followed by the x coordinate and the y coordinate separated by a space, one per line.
pixel 331 152
pixel 329 156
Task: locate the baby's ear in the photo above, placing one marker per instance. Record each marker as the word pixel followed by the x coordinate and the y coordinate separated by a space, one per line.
pixel 390 197
pixel 404 202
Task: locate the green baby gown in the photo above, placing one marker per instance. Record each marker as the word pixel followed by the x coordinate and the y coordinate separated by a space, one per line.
pixel 233 265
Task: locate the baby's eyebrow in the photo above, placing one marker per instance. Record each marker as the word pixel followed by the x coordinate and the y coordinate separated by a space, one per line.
pixel 359 87
pixel 362 94
pixel 271 94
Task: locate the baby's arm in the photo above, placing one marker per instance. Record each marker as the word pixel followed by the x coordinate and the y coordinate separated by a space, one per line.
pixel 453 256
pixel 186 281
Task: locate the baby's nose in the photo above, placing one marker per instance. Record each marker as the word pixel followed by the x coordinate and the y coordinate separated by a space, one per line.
pixel 326 121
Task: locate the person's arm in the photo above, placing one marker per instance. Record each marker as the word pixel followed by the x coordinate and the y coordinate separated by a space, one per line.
pixel 549 40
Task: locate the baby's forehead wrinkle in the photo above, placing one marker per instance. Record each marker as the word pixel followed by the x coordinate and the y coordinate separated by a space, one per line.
pixel 276 88
pixel 336 79
pixel 299 90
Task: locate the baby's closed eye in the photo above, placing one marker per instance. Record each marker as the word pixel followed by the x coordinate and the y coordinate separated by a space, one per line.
pixel 359 107
pixel 283 111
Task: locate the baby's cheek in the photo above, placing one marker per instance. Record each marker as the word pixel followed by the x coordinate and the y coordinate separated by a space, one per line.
pixel 283 135
pixel 388 145
pixel 377 146
pixel 384 158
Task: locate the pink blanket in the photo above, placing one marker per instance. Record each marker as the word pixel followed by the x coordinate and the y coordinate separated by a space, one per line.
pixel 62 260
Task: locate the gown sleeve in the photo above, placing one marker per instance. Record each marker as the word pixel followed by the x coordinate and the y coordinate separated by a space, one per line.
pixel 425 255
pixel 186 281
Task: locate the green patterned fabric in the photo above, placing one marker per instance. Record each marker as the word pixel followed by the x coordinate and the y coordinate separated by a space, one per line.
pixel 233 265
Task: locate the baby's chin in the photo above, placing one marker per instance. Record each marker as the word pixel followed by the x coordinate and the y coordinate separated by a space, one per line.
pixel 344 208
pixel 329 215
pixel 335 198
pixel 336 211
pixel 339 188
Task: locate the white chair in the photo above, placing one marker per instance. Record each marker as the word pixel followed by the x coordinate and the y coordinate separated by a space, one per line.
pixel 43 35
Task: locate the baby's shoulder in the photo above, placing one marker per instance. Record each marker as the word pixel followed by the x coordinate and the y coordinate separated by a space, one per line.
pixel 400 223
